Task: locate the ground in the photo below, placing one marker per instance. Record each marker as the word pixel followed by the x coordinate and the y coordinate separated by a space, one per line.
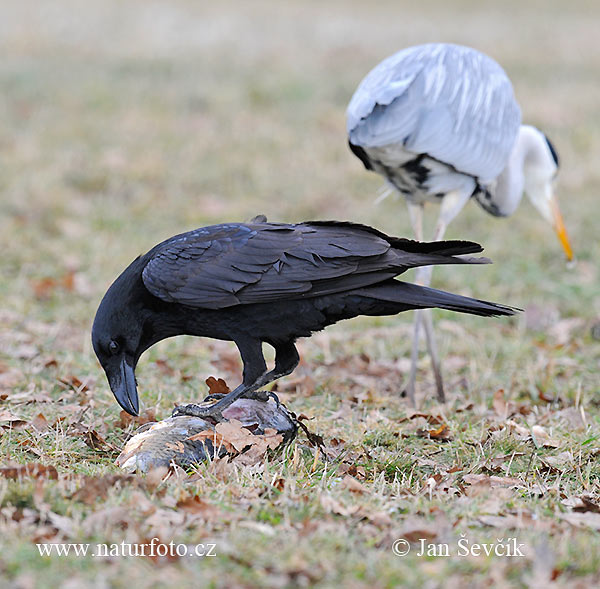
pixel 125 123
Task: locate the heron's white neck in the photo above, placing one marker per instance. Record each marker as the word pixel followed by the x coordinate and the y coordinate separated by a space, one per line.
pixel 529 154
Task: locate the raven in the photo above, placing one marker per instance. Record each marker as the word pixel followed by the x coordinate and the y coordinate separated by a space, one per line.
pixel 258 282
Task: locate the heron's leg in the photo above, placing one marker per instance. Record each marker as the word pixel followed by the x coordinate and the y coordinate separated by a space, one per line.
pixel 255 368
pixel 451 205
pixel 415 211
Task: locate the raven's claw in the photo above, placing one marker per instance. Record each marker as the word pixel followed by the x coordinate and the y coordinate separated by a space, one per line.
pixel 263 396
pixel 194 410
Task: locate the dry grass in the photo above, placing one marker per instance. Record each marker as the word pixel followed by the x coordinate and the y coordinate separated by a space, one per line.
pixel 123 124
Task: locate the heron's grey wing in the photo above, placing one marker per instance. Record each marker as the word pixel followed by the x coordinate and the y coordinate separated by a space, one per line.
pixel 451 102
pixel 225 265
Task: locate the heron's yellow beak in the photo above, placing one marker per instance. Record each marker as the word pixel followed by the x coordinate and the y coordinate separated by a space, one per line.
pixel 561 231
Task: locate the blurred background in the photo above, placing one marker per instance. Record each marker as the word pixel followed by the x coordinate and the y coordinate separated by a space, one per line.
pixel 123 123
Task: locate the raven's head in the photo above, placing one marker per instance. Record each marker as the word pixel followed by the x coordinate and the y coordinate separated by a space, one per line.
pixel 119 336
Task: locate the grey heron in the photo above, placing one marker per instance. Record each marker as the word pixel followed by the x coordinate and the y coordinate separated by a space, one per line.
pixel 440 122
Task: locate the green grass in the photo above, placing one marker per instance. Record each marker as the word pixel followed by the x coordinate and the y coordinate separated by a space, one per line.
pixel 126 123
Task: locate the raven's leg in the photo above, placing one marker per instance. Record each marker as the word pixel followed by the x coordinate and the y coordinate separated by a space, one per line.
pixel 286 360
pixel 255 367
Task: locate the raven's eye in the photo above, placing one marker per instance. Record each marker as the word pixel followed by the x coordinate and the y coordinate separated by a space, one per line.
pixel 113 347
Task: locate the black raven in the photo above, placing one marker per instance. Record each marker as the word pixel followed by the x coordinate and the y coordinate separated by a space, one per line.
pixel 264 282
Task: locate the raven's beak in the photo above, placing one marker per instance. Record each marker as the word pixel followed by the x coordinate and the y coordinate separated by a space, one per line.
pixel 125 391
pixel 561 231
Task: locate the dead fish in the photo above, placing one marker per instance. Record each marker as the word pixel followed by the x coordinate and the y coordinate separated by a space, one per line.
pixel 173 440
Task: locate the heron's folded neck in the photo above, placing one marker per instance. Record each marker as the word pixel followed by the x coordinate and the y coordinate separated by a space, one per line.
pixel 508 190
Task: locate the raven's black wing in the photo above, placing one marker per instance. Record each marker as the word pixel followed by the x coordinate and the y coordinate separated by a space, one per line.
pixel 230 264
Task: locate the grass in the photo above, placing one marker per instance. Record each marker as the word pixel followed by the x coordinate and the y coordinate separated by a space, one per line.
pixel 125 124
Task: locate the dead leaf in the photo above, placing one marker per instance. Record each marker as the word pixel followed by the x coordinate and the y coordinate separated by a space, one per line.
pixel 95 488
pixel 502 407
pixel 217 386
pixel 358 472
pixel 331 505
pixel 379 518
pixel 45 287
pixel 270 439
pixel 353 485
pixel 545 398
pixel 11 418
pixel 125 420
pixel 431 419
pixel 560 460
pixel 39 422
pixel 542 438
pixel 33 469
pixel 582 505
pixel 164 367
pixel 415 536
pixel 441 433
pixel 582 520
pixel 522 521
pixel 194 504
pixel 217 439
pixel 236 434
pixel 75 383
pixel 91 437
pixel 491 481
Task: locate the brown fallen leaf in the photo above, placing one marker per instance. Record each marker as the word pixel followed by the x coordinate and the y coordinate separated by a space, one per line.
pixel 431 419
pixel 522 521
pixel 582 505
pixel 415 536
pixel 381 519
pixel 91 437
pixel 502 407
pixel 194 504
pixel 269 440
pixel 542 396
pixel 95 488
pixel 491 481
pixel 217 386
pixel 541 437
pixel 45 287
pixel 441 433
pixel 236 434
pixel 11 419
pixel 30 446
pixel 582 520
pixel 217 439
pixel 164 367
pixel 75 383
pixel 331 505
pixel 39 422
pixel 353 485
pixel 33 470
pixel 358 472
pixel 125 420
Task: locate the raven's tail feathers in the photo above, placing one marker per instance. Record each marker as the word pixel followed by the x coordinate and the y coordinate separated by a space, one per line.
pixel 404 296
